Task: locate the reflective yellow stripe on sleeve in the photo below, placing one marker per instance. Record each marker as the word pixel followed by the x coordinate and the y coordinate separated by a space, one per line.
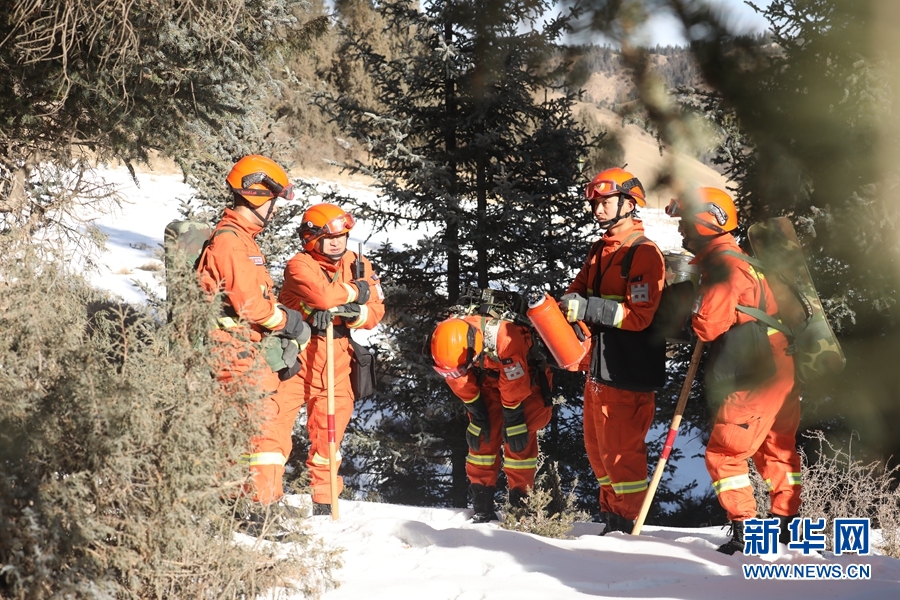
pixel 274 320
pixel 604 481
pixel 517 429
pixel 473 399
pixel 351 292
pixel 793 478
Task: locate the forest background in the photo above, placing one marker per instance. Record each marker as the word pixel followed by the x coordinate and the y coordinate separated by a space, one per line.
pixel 480 128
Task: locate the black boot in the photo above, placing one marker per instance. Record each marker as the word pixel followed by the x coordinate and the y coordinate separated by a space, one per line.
pixel 736 543
pixel 616 522
pixel 483 503
pixel 518 499
pixel 784 534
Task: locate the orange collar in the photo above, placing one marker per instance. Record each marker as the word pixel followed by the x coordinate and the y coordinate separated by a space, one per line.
pixel 236 221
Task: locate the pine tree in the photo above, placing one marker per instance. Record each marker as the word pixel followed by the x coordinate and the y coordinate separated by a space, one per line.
pixel 464 149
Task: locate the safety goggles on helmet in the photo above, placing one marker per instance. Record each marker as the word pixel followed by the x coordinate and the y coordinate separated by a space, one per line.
pixel 335 226
pixel 673 209
pixel 275 189
pixel 676 209
pixel 607 187
pixel 463 369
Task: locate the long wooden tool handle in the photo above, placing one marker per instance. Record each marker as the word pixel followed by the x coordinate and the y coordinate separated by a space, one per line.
pixel 332 444
pixel 670 439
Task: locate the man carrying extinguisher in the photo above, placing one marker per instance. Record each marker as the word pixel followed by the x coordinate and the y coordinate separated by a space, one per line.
pixel 616 294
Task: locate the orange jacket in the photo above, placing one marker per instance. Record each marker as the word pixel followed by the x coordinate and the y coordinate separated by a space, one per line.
pixel 509 363
pixel 234 264
pixel 639 296
pixel 314 282
pixel 725 282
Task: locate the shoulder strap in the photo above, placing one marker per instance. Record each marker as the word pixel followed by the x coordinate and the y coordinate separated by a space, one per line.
pixel 601 271
pixel 626 263
pixel 206 244
pixel 760 313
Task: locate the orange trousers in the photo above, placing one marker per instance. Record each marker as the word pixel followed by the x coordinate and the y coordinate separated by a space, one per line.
pixel 483 465
pixel 272 447
pixel 615 427
pixel 760 423
pixel 237 365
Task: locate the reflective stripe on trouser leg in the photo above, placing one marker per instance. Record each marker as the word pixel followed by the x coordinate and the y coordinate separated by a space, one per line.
pixel 481 460
pixel 630 487
pixel 267 470
pixel 527 463
pixel 323 460
pixel 318 425
pixel 616 424
pixel 732 483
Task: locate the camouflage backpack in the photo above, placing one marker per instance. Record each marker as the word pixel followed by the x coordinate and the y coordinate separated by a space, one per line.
pixel 802 319
pixel 184 243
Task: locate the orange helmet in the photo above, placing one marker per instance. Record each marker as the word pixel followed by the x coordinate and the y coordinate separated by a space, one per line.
pixel 616 181
pixel 713 214
pixel 258 179
pixel 454 346
pixel 323 219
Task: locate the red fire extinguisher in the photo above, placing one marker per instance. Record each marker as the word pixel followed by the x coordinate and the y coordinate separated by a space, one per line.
pixel 557 333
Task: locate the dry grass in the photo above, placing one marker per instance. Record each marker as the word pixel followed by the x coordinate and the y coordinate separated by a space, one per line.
pixel 835 486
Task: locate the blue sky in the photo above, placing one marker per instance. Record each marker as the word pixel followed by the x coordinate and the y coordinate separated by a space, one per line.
pixel 663 29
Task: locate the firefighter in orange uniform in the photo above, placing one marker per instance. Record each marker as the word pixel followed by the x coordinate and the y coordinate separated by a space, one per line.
pixel 616 294
pixel 760 422
pixel 503 396
pixel 320 282
pixel 233 264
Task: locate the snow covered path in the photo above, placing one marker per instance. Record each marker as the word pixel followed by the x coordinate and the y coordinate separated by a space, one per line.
pixel 397 552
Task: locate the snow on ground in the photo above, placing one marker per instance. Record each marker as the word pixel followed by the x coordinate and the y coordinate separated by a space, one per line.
pixel 397 552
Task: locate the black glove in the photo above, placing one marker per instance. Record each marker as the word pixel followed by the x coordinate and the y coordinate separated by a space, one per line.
pixel 591 310
pixel 349 311
pixel 295 328
pixel 515 431
pixel 321 319
pixel 290 350
pixel 363 286
pixel 479 424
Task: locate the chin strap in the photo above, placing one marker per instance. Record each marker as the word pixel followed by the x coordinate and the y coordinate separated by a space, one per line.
pixel 619 216
pixel 265 220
